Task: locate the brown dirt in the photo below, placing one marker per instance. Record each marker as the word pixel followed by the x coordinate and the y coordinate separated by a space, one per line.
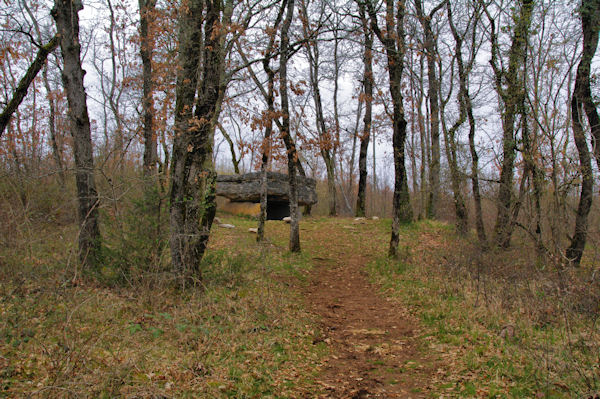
pixel 373 341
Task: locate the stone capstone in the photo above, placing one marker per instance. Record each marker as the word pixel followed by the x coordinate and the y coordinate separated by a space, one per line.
pixel 246 188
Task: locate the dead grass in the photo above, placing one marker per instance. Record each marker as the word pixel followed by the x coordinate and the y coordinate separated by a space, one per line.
pixel 502 324
pixel 505 325
pixel 240 334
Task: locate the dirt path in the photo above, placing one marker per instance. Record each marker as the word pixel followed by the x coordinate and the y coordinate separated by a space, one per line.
pixel 372 340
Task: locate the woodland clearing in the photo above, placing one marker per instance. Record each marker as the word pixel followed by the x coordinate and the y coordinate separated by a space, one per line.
pixel 337 320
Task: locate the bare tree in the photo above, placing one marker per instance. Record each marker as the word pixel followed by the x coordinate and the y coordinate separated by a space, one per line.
pixel 193 177
pixel 582 98
pixel 327 142
pixel 65 14
pixel 509 86
pixel 433 88
pixel 147 9
pixel 368 84
pixel 466 112
pixel 393 41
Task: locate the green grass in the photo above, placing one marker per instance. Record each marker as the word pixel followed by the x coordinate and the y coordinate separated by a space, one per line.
pixel 465 329
pixel 241 333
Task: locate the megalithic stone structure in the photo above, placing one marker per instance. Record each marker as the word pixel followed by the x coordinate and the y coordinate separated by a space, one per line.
pixel 246 188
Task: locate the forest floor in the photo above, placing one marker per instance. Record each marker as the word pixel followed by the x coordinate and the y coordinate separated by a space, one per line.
pixel 374 343
pixel 339 320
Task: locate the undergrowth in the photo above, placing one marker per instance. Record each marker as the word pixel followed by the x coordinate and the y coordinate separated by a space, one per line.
pixel 239 333
pixel 501 325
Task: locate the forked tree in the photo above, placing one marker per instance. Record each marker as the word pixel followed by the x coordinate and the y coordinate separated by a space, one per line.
pixel 199 89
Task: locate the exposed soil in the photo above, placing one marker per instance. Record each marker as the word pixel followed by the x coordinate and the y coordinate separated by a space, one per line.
pixel 373 340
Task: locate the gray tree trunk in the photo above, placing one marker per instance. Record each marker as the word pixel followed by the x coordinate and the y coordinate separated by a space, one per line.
pixel 433 89
pixel 393 41
pixel 147 8
pixel 361 198
pixel 582 98
pixel 65 13
pixel 292 156
pixel 509 85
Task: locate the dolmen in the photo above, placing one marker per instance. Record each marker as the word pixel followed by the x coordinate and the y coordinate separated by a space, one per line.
pixel 246 188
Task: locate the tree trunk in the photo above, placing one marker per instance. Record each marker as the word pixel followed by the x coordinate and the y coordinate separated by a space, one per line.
pixel 590 22
pixel 361 198
pixel 193 202
pixel 23 86
pixel 510 88
pixel 65 13
pixel 292 157
pixel 269 115
pixel 234 158
pixel 326 141
pixel 590 14
pixel 433 89
pixel 393 41
pixel 147 8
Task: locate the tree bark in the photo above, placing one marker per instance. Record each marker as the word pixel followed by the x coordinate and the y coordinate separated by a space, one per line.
pixel 590 14
pixel 23 86
pixel 147 8
pixel 292 156
pixel 393 41
pixel 590 22
pixel 433 89
pixel 65 13
pixel 509 85
pixel 361 198
pixel 193 202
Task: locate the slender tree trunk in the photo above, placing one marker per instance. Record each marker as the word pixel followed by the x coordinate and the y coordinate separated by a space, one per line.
pixel 361 198
pixel 113 97
pixel 374 167
pixel 147 8
pixel 577 246
pixel 23 86
pixel 326 140
pixel 590 12
pixel 479 226
pixel 393 41
pixel 234 159
pixel 65 13
pixel 350 188
pixel 590 22
pixel 292 157
pixel 264 166
pixel 269 115
pixel 56 150
pixel 460 209
pixel 433 89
